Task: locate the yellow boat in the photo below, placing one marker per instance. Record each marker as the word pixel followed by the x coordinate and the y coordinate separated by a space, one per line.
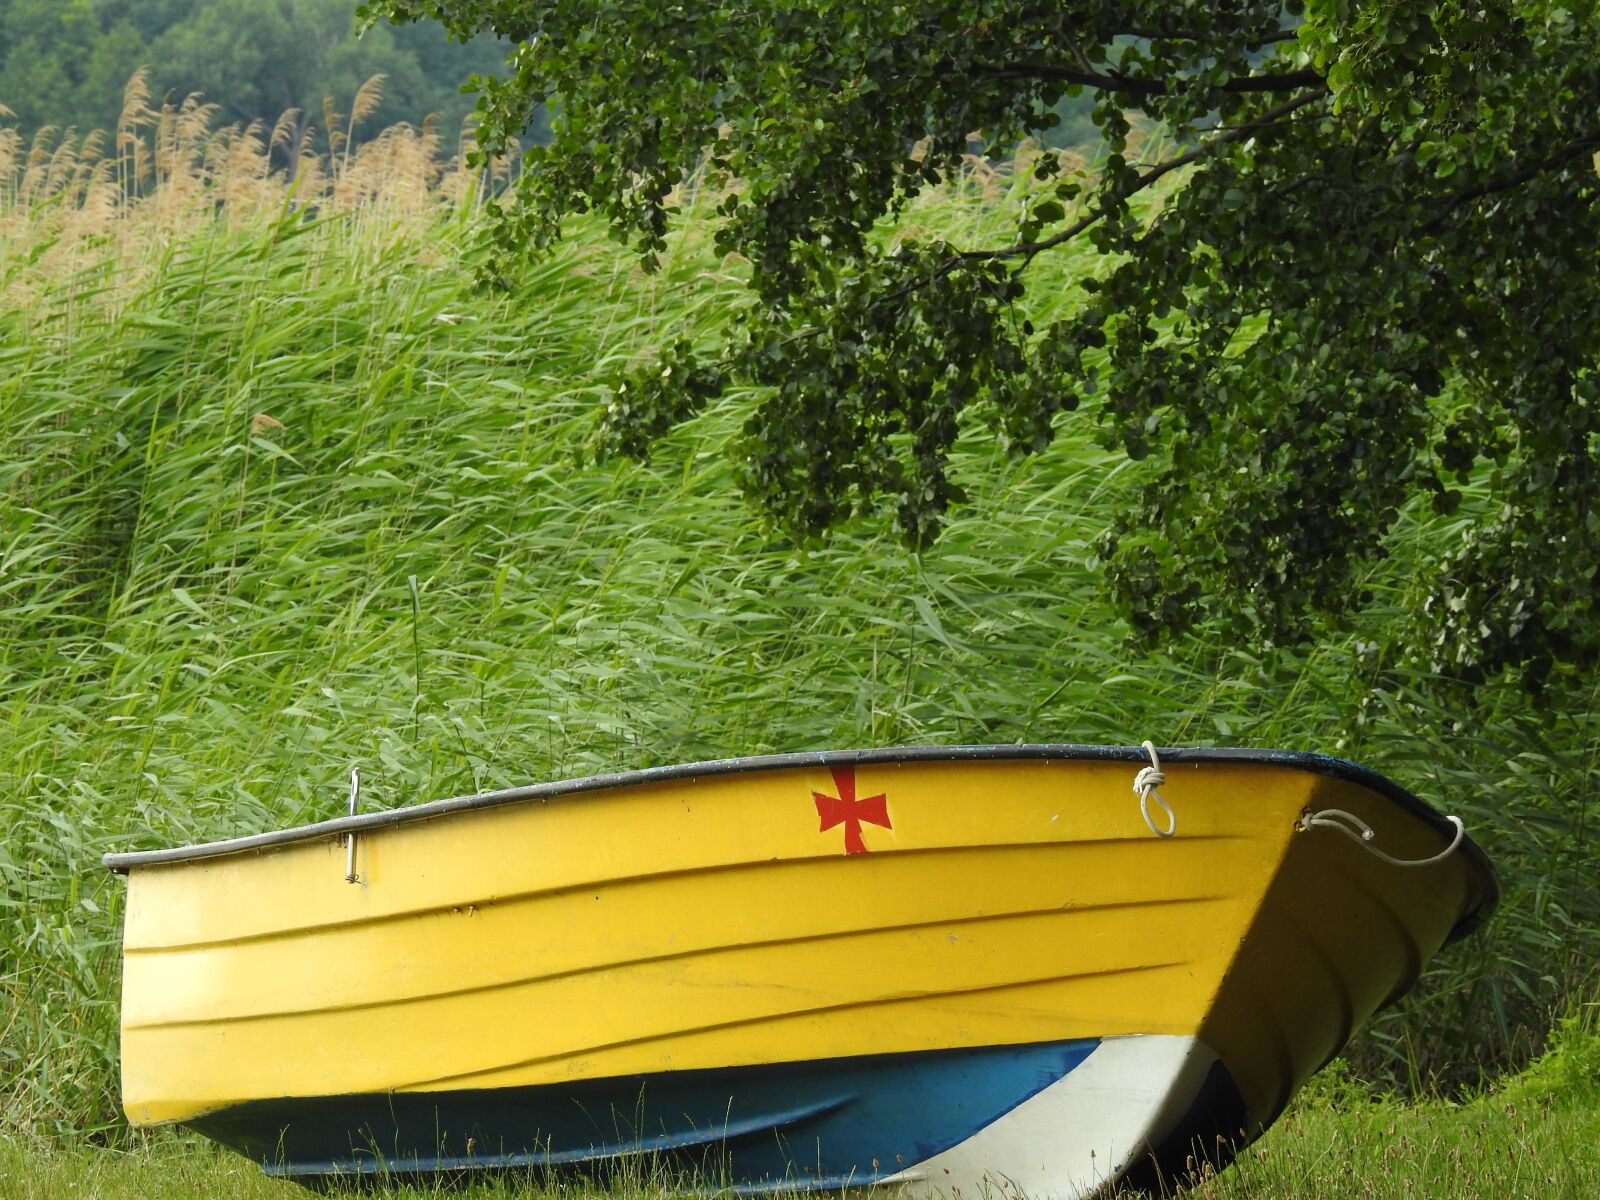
pixel 945 969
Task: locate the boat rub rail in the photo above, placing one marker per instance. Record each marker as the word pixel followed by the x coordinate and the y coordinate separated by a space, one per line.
pixel 1316 764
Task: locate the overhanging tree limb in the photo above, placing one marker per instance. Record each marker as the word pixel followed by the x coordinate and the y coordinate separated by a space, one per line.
pixel 1286 81
pixel 1233 134
pixel 1250 43
pixel 1567 155
pixel 1029 250
pixel 1389 360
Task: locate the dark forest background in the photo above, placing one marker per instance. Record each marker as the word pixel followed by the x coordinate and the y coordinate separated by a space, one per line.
pixel 66 62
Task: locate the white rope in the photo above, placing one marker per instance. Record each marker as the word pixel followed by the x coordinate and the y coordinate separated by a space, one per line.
pixel 1359 832
pixel 1145 785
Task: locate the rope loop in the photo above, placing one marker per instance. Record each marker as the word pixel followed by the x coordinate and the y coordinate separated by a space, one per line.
pixel 1146 784
pixel 1359 832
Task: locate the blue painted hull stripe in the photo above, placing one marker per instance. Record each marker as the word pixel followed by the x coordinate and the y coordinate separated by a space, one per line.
pixel 822 1124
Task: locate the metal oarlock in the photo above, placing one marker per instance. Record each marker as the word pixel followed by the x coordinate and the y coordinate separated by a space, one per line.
pixel 350 875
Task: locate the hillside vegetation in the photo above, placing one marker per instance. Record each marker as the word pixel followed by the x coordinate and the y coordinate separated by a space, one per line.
pixel 65 62
pixel 281 492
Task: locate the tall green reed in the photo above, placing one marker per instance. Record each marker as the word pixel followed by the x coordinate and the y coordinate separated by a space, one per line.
pixel 285 495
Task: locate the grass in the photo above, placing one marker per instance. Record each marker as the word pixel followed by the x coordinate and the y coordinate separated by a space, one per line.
pixel 1377 1153
pixel 1372 1150
pixel 1536 1134
pixel 281 492
pixel 1431 1150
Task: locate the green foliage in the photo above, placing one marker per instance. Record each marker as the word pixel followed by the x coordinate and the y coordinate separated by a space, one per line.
pixel 65 59
pixel 66 62
pixel 225 455
pixel 1394 1151
pixel 1374 286
pixel 1567 1074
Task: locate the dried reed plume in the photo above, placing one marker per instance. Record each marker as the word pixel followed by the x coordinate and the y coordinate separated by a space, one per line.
pixel 167 168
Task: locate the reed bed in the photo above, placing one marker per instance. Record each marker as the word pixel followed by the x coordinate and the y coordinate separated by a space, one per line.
pixel 283 492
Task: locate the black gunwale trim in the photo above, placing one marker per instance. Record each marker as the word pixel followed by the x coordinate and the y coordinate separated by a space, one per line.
pixel 1298 760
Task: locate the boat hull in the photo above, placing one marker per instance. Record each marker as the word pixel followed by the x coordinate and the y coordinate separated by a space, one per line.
pixel 1066 1117
pixel 941 972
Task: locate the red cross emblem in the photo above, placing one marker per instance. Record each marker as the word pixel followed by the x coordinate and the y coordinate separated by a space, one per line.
pixel 844 809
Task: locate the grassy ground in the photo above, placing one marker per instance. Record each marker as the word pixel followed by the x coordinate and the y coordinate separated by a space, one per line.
pixel 1385 1151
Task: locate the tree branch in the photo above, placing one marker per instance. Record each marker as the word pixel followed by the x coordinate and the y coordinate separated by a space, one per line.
pixel 1285 81
pixel 1236 133
pixel 1029 249
pixel 1567 154
pixel 1179 35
